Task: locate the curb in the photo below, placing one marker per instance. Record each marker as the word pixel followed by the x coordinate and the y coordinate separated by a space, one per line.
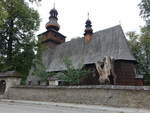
pixel 98 107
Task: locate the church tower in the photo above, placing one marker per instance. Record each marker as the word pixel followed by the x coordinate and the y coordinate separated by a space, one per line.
pixel 51 38
pixel 88 30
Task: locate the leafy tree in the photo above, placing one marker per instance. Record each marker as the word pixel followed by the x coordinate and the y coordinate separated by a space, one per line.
pixel 145 48
pixel 135 46
pixel 140 45
pixel 134 43
pixel 38 66
pixel 145 9
pixel 17 41
pixel 3 13
pixel 40 70
pixel 145 39
pixel 72 75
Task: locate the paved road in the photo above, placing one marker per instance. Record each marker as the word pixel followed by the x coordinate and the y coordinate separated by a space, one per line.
pixel 15 107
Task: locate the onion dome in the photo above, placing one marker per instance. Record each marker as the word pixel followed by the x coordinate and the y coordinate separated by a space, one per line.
pixel 88 27
pixel 52 24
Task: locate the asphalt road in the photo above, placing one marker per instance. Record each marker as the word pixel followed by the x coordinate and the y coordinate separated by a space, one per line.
pixel 13 107
pixel 34 108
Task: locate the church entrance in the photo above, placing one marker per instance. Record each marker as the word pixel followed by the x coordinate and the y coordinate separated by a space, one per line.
pixel 2 86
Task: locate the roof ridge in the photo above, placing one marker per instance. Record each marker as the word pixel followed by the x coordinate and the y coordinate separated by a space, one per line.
pixel 109 28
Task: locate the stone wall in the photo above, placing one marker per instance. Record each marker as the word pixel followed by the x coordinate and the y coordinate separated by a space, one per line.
pixel 119 96
pixel 11 81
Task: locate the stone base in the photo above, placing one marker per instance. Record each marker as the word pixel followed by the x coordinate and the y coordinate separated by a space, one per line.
pixel 118 96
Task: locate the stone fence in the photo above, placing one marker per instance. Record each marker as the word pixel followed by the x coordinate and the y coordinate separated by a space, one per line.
pixel 118 96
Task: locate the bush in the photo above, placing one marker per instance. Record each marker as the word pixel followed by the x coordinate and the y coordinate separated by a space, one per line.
pixel 72 75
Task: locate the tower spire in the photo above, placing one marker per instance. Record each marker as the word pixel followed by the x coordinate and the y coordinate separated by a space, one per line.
pixel 88 29
pixel 88 26
pixel 53 24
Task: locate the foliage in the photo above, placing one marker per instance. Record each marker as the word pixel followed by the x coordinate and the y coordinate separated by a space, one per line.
pixel 3 13
pixel 140 45
pixel 145 9
pixel 40 70
pixel 72 75
pixel 39 67
pixel 35 1
pixel 145 42
pixel 17 41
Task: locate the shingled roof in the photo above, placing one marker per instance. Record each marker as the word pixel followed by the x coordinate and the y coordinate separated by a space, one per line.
pixel 108 42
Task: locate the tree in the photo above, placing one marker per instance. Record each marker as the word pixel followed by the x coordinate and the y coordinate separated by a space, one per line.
pixel 140 45
pixel 145 48
pixel 145 36
pixel 145 9
pixel 72 75
pixel 3 13
pixel 134 43
pixel 17 41
pixel 38 66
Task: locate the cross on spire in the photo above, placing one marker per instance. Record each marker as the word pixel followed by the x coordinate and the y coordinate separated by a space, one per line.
pixel 88 15
pixel 54 5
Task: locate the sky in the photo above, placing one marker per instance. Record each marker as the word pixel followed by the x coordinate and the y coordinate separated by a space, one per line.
pixel 103 14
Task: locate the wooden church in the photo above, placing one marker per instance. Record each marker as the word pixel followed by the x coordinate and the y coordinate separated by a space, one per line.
pixel 106 53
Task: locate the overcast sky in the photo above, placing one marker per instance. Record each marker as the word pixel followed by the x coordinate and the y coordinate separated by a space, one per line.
pixel 72 15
